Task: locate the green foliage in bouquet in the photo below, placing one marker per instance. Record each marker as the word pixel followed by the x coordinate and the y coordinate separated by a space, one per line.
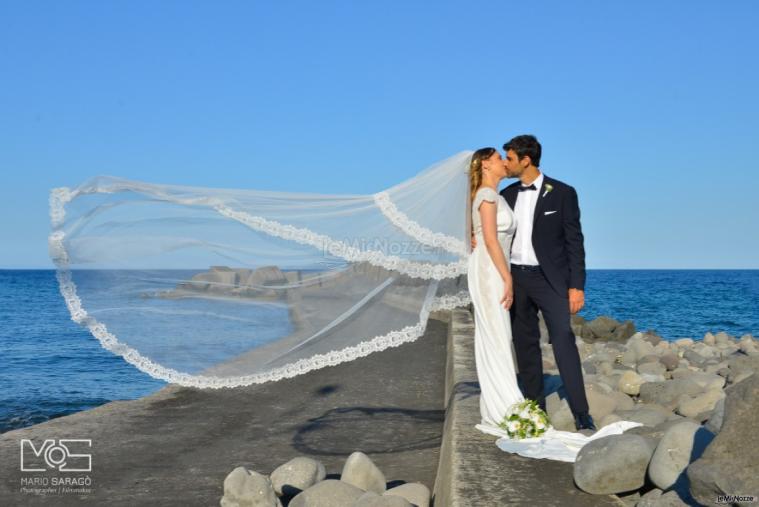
pixel 525 420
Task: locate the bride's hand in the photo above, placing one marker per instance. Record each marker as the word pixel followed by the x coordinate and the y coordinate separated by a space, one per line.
pixel 508 293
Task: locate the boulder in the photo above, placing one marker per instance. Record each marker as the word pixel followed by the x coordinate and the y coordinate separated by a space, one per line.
pixel 729 466
pixel 680 445
pixel 602 327
pixel 372 499
pixel 559 412
pixel 297 475
pixel 360 471
pixel 650 358
pixel 651 368
pixel 622 401
pixel 600 402
pixel 667 393
pixel 613 464
pixel 243 488
pixel 623 331
pixel 653 338
pixel 416 493
pixel 707 381
pixel 640 347
pixel 669 360
pixel 648 415
pixel 328 493
pixel 630 382
pixel 650 499
pixel 695 406
pixel 672 499
pixel 749 348
pixel 608 419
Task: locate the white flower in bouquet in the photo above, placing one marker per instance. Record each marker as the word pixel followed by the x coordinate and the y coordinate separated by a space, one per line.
pixel 525 420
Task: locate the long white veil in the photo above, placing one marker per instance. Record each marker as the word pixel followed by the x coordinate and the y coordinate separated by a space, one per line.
pixel 219 288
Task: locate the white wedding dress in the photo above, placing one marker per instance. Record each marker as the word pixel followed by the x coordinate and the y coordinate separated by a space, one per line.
pixel 492 347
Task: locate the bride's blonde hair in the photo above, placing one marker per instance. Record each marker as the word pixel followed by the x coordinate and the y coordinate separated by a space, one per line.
pixel 475 169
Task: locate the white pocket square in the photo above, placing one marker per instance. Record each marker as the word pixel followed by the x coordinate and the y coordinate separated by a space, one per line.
pixel 549 212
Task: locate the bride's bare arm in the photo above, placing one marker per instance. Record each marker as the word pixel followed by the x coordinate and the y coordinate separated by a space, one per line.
pixel 490 237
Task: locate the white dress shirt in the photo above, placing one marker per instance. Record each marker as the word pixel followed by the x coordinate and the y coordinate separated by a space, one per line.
pixel 522 251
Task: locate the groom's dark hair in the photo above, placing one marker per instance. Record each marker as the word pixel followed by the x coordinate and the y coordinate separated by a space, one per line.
pixel 525 146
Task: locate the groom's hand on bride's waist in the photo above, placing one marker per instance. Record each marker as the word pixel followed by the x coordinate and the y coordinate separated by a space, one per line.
pixel 576 300
pixel 474 242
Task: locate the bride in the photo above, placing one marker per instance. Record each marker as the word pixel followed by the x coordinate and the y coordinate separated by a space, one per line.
pixel 491 288
pixel 220 288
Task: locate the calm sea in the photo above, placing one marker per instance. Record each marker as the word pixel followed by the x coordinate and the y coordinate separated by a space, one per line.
pixel 51 367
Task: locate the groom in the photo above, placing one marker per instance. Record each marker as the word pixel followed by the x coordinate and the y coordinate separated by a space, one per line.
pixel 548 272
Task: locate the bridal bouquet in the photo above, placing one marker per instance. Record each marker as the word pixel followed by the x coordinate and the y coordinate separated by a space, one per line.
pixel 525 420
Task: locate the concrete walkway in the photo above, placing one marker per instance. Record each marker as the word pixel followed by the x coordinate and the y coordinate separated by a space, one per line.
pixel 175 447
pixel 473 471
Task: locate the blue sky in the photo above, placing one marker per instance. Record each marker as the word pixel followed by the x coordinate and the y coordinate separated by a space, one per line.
pixel 648 108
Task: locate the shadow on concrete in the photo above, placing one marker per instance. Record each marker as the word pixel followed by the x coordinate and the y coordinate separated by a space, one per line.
pixel 381 430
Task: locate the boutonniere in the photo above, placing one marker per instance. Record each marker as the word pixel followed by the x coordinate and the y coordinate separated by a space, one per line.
pixel 549 187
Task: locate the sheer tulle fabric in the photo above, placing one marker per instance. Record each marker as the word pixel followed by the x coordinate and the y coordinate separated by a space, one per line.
pixel 217 288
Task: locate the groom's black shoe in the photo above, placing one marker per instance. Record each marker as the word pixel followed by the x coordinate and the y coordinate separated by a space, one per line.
pixel 583 421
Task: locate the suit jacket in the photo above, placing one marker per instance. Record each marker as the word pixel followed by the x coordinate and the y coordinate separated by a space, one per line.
pixel 556 237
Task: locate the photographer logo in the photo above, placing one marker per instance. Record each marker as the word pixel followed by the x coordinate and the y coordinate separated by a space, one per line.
pixel 62 455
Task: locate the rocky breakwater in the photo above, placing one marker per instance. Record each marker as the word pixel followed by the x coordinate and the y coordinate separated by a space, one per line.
pixel 265 282
pixel 303 482
pixel 696 400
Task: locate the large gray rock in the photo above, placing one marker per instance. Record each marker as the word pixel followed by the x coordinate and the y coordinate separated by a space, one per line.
pixel 648 415
pixel 608 419
pixel 640 346
pixel 698 407
pixel 714 424
pixel 623 401
pixel 741 364
pixel 653 338
pixel 630 383
pixel 623 331
pixel 672 499
pixel 415 492
pixel 243 488
pixel 606 328
pixel 707 381
pixel 559 412
pixel 694 358
pixel 361 472
pixel 669 360
pixel 328 493
pixel 600 402
pixel 667 393
pixel 655 432
pixel 681 444
pixel 372 499
pixel 729 466
pixel 651 368
pixel 650 499
pixel 602 327
pixel 297 474
pixel 613 464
